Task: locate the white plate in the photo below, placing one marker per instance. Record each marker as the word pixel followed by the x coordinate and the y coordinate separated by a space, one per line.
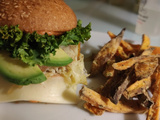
pixel 31 111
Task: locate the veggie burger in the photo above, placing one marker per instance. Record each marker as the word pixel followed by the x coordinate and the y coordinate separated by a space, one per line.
pixel 40 57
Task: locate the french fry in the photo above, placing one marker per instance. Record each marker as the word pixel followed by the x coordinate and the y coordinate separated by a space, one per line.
pixel 111 35
pixel 109 70
pixel 123 65
pixel 101 102
pixel 146 69
pixel 153 113
pixel 156 50
pixel 134 71
pixel 148 51
pixel 137 88
pixel 93 109
pixel 120 53
pixel 127 47
pixel 136 48
pixel 145 43
pixel 145 100
pixel 130 62
pixel 105 54
pixel 115 87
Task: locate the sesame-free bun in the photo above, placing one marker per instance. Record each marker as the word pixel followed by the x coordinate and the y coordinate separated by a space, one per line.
pixel 44 16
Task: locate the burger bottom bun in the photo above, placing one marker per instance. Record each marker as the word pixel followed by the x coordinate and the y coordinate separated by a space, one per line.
pixel 53 90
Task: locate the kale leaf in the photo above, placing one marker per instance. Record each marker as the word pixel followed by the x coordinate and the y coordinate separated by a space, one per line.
pixel 33 48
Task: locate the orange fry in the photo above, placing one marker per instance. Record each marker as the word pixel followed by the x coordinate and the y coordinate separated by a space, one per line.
pixel 127 47
pixel 137 88
pixel 153 113
pixel 105 54
pixel 109 71
pixel 145 42
pixel 93 109
pixel 123 65
pixel 101 102
pixel 121 53
pixel 148 51
pixel 145 69
pixel 111 35
pixel 131 71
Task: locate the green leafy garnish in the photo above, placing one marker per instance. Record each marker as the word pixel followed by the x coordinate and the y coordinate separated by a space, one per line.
pixel 33 48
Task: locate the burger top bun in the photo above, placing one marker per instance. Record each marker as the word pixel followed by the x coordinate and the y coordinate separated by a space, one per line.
pixel 44 16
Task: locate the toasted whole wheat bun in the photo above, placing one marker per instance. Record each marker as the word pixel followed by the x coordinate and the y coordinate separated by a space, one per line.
pixel 44 16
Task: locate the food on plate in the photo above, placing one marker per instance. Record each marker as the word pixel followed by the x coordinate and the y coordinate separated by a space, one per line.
pixel 153 112
pixel 109 70
pixel 40 51
pixel 120 52
pixel 97 100
pixel 93 109
pixel 145 43
pixel 132 79
pixel 123 65
pixel 106 53
pixel 145 69
pixel 137 88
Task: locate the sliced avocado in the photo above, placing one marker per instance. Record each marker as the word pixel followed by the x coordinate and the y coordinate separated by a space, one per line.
pixel 18 72
pixel 59 59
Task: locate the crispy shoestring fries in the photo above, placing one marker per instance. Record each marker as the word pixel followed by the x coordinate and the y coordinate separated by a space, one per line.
pixel 132 75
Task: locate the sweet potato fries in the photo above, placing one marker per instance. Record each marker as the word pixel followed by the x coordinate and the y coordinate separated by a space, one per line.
pixel 132 75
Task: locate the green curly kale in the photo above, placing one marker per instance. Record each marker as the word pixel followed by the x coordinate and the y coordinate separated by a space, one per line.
pixel 33 48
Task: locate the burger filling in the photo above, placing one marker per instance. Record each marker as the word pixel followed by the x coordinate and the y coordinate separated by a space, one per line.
pixel 35 50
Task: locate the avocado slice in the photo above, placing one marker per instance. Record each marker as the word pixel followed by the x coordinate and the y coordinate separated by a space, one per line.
pixel 59 59
pixel 18 72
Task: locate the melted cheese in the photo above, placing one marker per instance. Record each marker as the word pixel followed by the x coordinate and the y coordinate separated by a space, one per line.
pixel 50 91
